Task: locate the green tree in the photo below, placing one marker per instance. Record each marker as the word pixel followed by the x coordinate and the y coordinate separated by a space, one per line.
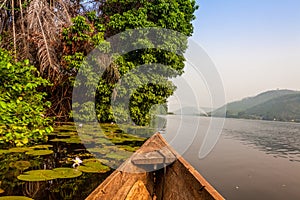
pixel 115 17
pixel 119 16
pixel 31 29
pixel 22 106
pixel 56 45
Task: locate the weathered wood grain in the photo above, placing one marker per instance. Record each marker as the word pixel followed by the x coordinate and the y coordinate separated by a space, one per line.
pixel 136 180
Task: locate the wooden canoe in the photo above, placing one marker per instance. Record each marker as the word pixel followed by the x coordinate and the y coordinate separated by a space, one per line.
pixel 155 172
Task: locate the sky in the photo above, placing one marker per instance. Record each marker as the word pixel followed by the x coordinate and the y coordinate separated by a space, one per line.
pixel 254 44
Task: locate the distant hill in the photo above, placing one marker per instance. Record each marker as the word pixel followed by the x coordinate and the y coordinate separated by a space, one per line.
pixel 283 105
pixel 191 111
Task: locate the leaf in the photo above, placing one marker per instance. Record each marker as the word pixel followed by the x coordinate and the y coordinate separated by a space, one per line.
pixel 4 151
pixel 21 165
pixel 46 175
pixel 19 149
pixel 15 198
pixel 3 104
pixel 39 152
pixel 67 172
pixel 41 146
pixel 93 166
pixel 38 175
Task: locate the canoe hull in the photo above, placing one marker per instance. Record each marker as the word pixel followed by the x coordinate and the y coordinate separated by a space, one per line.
pixel 177 181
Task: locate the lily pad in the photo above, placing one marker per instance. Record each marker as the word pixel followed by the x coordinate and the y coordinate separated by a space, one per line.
pixel 67 172
pixel 93 166
pixel 67 134
pixel 4 151
pixel 19 149
pixel 102 141
pixel 38 175
pixel 128 148
pixel 39 152
pixel 43 146
pixel 95 160
pixel 21 165
pixel 65 128
pixel 71 140
pixel 57 140
pixel 87 138
pixel 119 140
pixel 119 155
pixel 15 198
pixel 122 137
pixel 102 150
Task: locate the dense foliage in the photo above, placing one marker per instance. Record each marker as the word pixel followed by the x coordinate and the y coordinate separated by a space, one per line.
pixel 117 17
pixel 56 36
pixel 21 104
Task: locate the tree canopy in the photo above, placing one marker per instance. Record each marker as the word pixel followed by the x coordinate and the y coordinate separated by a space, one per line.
pixel 56 36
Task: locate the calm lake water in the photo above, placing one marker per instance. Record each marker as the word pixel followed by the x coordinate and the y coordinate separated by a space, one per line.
pixel 251 160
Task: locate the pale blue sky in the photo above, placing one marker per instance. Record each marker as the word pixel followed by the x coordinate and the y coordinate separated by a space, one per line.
pixel 255 44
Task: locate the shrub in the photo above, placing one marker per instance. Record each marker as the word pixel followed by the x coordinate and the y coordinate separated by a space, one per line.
pixel 21 104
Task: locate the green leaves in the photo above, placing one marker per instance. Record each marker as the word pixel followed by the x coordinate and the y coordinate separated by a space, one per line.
pixel 162 48
pixel 22 106
pixel 3 104
pixel 93 166
pixel 46 175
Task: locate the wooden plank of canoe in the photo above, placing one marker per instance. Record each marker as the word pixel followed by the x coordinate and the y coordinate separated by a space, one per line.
pixel 162 156
pixel 154 151
pixel 183 182
pixel 138 192
pixel 179 184
pixel 121 184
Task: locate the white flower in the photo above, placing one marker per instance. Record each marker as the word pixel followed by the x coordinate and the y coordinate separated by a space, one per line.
pixel 77 162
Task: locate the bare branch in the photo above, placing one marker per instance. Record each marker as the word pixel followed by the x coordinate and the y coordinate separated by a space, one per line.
pixel 3 4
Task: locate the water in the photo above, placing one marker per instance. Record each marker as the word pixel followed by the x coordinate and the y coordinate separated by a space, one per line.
pixel 112 145
pixel 251 160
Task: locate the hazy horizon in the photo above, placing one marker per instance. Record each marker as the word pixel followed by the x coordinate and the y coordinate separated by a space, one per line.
pixel 255 44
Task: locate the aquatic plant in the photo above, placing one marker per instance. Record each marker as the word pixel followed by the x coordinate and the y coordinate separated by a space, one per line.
pixel 15 198
pixel 46 175
pixel 102 150
pixel 128 148
pixel 39 152
pixel 73 139
pixel 42 146
pixel 38 175
pixel 64 172
pixel 77 162
pixel 118 155
pixel 4 151
pixel 93 166
pixel 19 149
pixel 21 164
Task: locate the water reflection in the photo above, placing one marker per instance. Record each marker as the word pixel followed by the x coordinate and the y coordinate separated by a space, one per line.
pixel 280 139
pixel 46 172
pixel 243 165
pixel 183 130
